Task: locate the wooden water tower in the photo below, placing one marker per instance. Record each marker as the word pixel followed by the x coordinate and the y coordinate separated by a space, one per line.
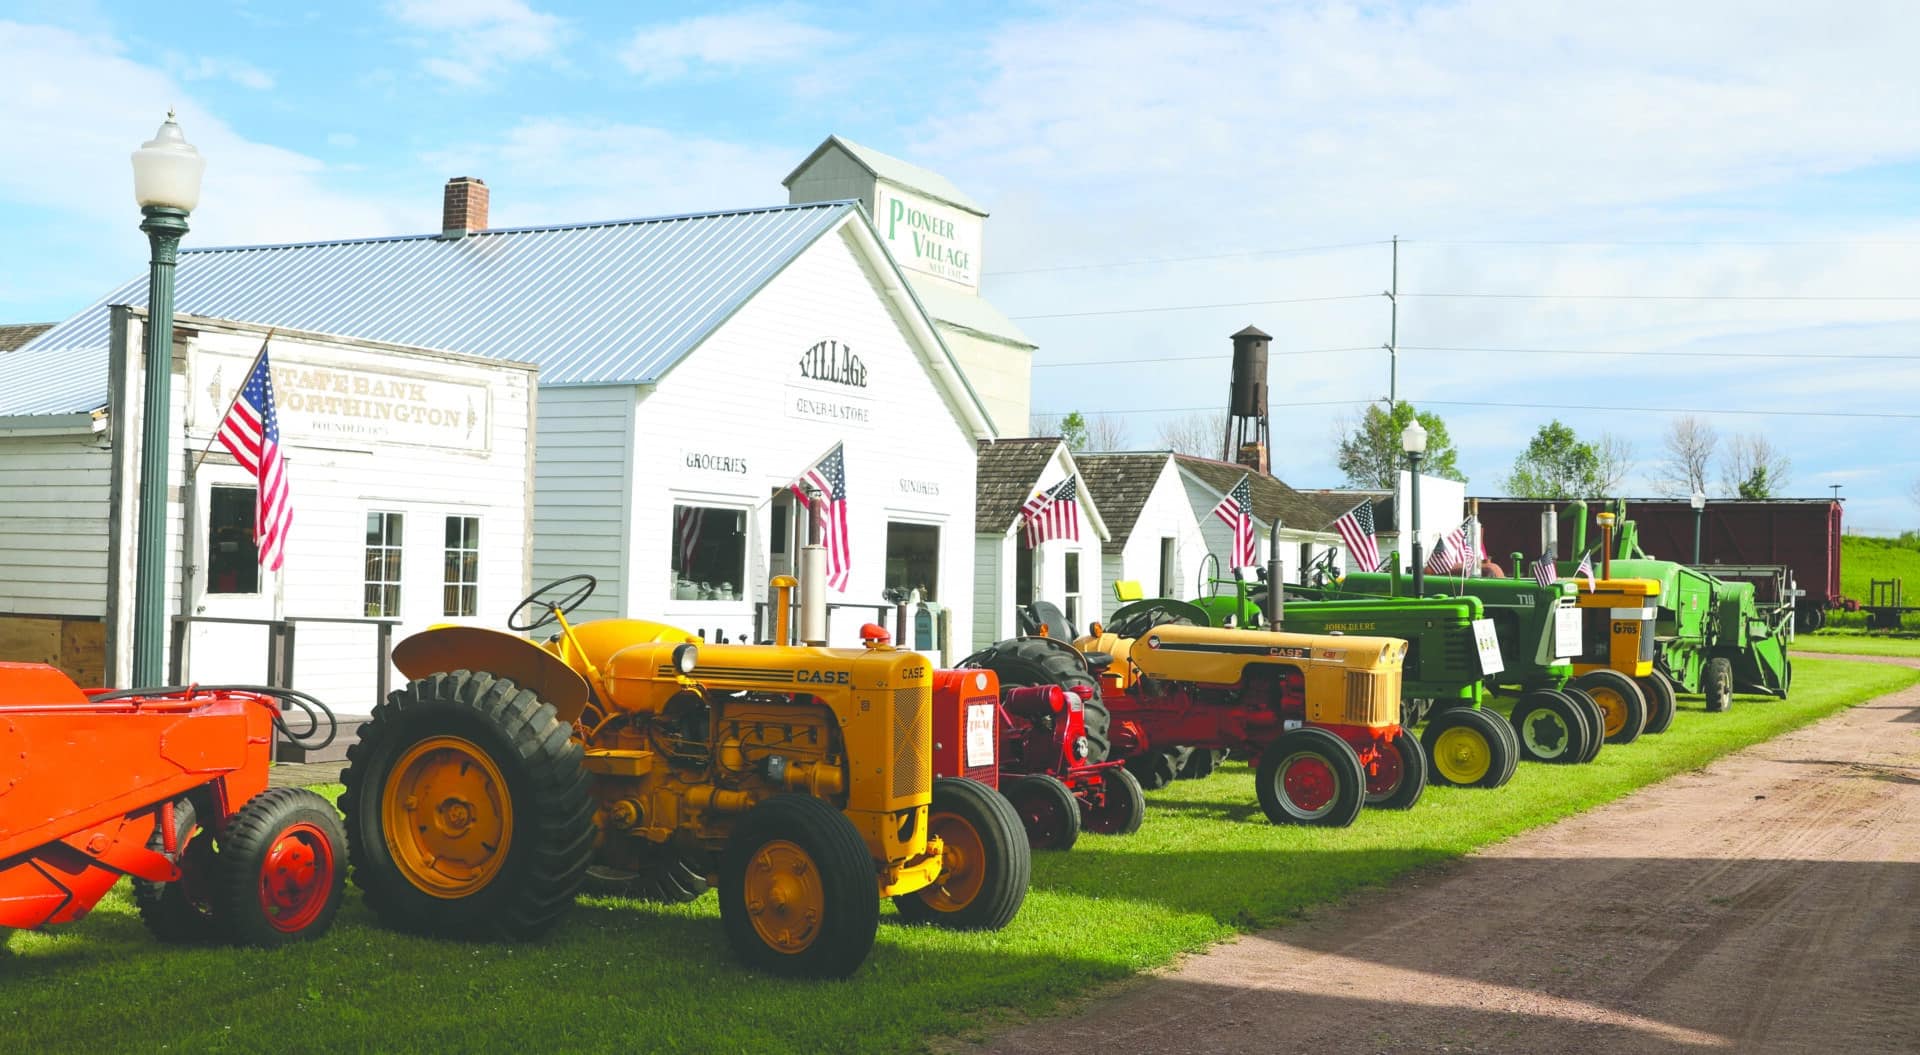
pixel 1247 434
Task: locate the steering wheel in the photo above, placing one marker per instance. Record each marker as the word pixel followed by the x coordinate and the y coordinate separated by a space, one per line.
pixel 582 589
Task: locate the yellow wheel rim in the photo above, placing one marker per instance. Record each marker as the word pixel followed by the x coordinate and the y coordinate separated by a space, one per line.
pixel 1462 755
pixel 447 817
pixel 1613 709
pixel 962 864
pixel 784 897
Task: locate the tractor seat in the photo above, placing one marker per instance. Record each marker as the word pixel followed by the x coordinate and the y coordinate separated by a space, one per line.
pixel 1098 661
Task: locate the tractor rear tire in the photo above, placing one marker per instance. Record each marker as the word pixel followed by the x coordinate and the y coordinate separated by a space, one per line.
pixel 664 877
pixel 1550 727
pixel 1466 748
pixel 796 890
pixel 1400 777
pixel 991 864
pixel 1047 809
pixel 1716 684
pixel 500 777
pixel 1121 810
pixel 1027 661
pixel 1201 763
pixel 282 870
pixel 1624 705
pixel 1099 722
pixel 1310 776
pixel 1594 719
pixel 182 911
pixel 1513 743
pixel 1661 702
pixel 1158 767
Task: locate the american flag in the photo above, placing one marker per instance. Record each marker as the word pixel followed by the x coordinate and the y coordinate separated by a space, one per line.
pixel 1356 530
pixel 687 534
pixel 829 477
pixel 1053 513
pixel 1237 510
pixel 1451 555
pixel 1585 570
pixel 1544 572
pixel 251 431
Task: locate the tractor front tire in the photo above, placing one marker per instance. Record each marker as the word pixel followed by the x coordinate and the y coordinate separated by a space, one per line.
pixel 1467 749
pixel 1596 722
pixel 1399 778
pixel 1158 767
pixel 983 878
pixel 1716 684
pixel 1622 702
pixel 1123 805
pixel 797 890
pixel 282 869
pixel 1662 702
pixel 1310 776
pixel 1099 723
pixel 1047 809
pixel 1550 727
pixel 467 809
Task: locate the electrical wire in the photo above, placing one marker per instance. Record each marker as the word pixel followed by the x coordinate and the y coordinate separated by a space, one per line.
pixel 1799 356
pixel 1200 307
pixel 1230 255
pixel 1202 358
pixel 1654 296
pixel 1705 412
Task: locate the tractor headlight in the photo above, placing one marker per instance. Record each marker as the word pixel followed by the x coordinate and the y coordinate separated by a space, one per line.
pixel 684 658
pixel 1079 747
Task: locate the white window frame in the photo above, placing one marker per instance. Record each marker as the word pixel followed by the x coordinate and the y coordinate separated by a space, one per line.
pixel 455 568
pixel 383 547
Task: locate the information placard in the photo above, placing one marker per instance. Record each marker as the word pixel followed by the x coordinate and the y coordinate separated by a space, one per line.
pixel 980 735
pixel 1566 632
pixel 1487 644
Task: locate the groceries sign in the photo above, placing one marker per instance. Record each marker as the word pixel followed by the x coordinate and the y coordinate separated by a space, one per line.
pixel 927 236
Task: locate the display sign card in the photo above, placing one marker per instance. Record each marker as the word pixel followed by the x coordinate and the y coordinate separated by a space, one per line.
pixel 980 735
pixel 1566 632
pixel 1488 645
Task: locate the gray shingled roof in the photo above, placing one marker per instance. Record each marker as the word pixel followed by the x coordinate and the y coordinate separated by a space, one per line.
pixel 617 302
pixel 1005 479
pixel 1271 498
pixel 16 334
pixel 1120 484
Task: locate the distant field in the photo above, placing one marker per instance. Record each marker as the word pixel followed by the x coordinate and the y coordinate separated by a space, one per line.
pixel 1864 559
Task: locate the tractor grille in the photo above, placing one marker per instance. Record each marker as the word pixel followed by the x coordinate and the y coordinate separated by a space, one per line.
pixel 912 747
pixel 1372 699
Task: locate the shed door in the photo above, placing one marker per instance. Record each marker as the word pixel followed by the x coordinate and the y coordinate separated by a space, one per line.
pixel 227 582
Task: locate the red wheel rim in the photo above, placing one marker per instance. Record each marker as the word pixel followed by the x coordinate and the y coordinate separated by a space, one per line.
pixel 1384 775
pixel 296 879
pixel 1046 825
pixel 1308 784
pixel 1114 811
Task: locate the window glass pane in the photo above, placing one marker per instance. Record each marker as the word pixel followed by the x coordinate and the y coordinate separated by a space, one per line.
pixel 383 564
pixel 373 529
pixel 453 532
pixel 913 558
pixel 461 568
pixel 1073 573
pixel 233 561
pixel 709 553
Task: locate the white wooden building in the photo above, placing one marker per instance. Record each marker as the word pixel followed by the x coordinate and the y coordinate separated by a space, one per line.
pixel 410 489
pixel 1012 574
pixel 1155 540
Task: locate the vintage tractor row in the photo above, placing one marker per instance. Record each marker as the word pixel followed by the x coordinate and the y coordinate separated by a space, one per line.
pixel 799 780
pixel 167 786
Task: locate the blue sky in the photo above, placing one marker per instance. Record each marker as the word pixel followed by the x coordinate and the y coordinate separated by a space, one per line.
pixel 1594 163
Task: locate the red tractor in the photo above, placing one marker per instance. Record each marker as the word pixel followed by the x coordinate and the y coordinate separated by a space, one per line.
pixel 1050 739
pixel 168 786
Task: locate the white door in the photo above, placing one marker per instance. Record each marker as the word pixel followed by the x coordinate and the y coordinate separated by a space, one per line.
pixel 227 583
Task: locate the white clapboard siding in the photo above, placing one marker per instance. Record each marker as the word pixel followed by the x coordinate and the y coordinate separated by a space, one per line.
pixel 581 495
pixel 1168 513
pixel 54 495
pixel 991 570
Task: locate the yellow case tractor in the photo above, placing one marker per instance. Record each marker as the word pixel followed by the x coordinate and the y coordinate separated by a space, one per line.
pixel 632 756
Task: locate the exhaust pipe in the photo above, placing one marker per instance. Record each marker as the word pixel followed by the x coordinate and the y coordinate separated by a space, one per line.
pixel 1276 580
pixel 813 578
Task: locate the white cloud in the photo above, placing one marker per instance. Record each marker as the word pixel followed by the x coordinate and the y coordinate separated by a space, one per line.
pixel 473 40
pixel 756 37
pixel 206 68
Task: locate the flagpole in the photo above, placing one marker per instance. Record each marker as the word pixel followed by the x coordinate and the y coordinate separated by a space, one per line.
pixel 222 419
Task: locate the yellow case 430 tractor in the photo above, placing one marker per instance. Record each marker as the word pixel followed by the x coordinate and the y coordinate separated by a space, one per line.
pixel 631 756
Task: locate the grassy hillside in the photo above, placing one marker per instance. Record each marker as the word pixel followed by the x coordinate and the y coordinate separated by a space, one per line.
pixel 1863 559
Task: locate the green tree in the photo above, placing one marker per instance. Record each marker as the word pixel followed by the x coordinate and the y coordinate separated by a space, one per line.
pixel 1556 464
pixel 1370 454
pixel 1073 429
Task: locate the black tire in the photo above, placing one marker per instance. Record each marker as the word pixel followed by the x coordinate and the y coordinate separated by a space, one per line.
pixel 282 870
pixel 1662 702
pixel 827 896
pixel 662 874
pixel 1325 757
pixel 472 716
pixel 182 911
pixel 1506 729
pixel 1786 676
pixel 1157 768
pixel 999 859
pixel 1201 763
pixel 1620 700
pixel 1716 684
pixel 1123 805
pixel 1550 728
pixel 1594 718
pixel 1404 789
pixel 1048 812
pixel 1025 661
pixel 1465 748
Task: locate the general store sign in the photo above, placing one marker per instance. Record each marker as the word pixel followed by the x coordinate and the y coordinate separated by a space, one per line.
pixel 927 236
pixel 321 403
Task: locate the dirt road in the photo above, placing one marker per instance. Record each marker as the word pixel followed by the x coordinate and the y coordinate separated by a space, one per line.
pixel 1769 903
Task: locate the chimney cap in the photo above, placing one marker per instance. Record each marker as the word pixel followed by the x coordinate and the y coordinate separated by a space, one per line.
pixel 468 179
pixel 1252 331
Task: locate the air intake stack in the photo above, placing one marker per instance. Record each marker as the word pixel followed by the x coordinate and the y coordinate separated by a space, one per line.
pixel 1247 434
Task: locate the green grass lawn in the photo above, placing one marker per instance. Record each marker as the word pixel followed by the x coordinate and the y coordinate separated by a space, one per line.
pixel 620 976
pixel 1860 643
pixel 1863 559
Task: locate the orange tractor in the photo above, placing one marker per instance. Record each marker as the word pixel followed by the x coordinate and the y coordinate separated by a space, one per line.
pixel 168 786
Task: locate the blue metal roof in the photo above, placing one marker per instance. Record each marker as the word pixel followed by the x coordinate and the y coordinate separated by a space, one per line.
pixel 604 303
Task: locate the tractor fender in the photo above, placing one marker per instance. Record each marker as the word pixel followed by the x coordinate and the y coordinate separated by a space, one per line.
pixel 443 649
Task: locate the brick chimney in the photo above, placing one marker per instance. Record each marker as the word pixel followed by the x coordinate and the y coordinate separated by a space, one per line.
pixel 464 209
